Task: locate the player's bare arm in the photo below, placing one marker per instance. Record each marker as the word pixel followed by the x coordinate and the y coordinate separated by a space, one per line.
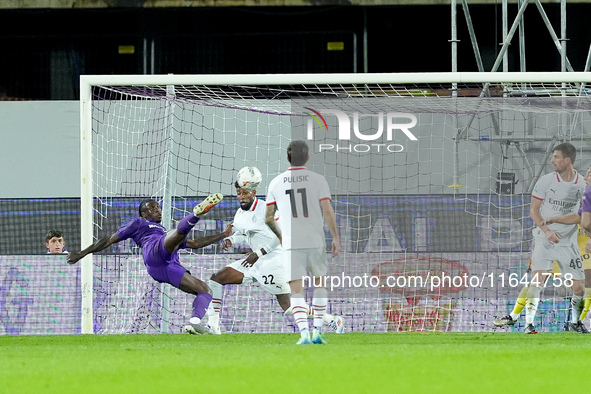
pixel 330 218
pixel 534 212
pixel 205 241
pixel 271 222
pixel 586 221
pixel 99 245
pixel 572 218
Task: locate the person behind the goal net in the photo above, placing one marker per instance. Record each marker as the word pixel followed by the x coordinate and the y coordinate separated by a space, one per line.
pixel 160 251
pixel 302 197
pixel 55 242
pixel 557 192
pixel 264 263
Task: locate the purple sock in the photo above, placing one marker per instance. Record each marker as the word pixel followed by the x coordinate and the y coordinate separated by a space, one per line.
pixel 187 223
pixel 200 304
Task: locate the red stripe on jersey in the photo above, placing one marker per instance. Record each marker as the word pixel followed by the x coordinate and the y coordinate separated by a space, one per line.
pixel 537 198
pixel 557 177
pixel 271 203
pixel 256 201
pixel 576 180
pixel 326 198
pixel 296 168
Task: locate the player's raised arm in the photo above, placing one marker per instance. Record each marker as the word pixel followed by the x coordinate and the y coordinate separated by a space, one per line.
pixel 99 245
pixel 586 221
pixel 205 241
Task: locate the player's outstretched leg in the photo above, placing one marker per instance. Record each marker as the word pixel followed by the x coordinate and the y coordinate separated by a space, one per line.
pixel 206 205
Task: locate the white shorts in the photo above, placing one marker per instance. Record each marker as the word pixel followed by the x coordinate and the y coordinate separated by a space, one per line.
pixel 301 261
pixel 269 271
pixel 568 257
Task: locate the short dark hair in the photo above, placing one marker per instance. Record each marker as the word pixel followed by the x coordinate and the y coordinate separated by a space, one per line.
pixel 568 150
pixel 297 153
pixel 144 205
pixel 53 233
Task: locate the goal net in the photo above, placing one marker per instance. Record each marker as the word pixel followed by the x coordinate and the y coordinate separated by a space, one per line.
pixel 431 177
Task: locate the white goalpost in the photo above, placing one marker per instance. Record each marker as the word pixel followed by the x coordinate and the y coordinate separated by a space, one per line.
pixel 431 176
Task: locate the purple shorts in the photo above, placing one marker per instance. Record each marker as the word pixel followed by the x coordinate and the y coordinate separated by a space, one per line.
pixel 162 265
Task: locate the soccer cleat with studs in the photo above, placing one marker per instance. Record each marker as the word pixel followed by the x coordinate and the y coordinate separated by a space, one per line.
pixel 214 330
pixel 304 340
pixel 530 329
pixel 504 321
pixel 337 324
pixel 318 339
pixel 196 328
pixel 206 205
pixel 579 327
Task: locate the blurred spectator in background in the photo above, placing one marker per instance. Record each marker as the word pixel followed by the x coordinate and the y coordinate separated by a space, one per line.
pixel 54 242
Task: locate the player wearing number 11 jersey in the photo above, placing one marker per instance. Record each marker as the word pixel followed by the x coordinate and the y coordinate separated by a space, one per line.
pixel 302 198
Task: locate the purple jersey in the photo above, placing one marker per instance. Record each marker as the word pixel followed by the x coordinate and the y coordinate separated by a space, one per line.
pixel 162 265
pixel 142 231
pixel 586 205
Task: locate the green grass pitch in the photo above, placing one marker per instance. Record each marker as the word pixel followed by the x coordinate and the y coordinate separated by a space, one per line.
pixel 272 363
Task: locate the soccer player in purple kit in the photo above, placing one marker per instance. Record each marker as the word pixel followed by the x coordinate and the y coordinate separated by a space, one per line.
pixel 160 251
pixel 586 212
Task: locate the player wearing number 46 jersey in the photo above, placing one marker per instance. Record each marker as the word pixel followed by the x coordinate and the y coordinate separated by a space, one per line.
pixel 303 198
pixel 555 194
pixel 584 244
